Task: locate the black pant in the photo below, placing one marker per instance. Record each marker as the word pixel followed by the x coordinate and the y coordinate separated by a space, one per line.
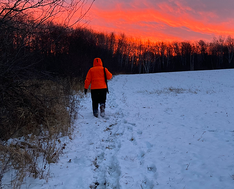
pixel 98 96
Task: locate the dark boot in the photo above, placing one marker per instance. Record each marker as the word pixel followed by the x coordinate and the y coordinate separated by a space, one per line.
pixel 95 113
pixel 102 110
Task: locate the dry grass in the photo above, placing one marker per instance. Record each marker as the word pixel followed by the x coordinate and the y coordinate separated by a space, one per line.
pixel 170 90
pixel 40 112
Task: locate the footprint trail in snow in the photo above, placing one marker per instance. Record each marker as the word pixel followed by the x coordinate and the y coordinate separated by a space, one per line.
pixel 166 130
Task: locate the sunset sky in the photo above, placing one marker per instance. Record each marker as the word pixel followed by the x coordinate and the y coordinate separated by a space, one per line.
pixel 165 20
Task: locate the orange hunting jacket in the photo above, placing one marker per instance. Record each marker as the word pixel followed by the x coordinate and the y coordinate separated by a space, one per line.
pixel 95 76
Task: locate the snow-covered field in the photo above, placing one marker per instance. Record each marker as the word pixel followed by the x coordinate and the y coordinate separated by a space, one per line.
pixel 164 130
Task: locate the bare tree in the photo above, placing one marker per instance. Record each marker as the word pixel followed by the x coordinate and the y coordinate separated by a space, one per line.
pixel 162 50
pixel 121 48
pixel 230 46
pixel 169 50
pixel 140 57
pixel 44 10
pixel 112 43
pixel 156 58
pixel 192 56
pixel 148 57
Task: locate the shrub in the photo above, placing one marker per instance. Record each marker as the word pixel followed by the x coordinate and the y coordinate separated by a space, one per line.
pixel 40 111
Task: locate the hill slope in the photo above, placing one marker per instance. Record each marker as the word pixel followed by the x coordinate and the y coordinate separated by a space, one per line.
pixel 165 130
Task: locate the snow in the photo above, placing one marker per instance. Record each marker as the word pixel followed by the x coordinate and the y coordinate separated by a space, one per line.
pixel 164 130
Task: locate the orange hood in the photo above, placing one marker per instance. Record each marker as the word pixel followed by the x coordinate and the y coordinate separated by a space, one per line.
pixel 97 62
pixel 95 76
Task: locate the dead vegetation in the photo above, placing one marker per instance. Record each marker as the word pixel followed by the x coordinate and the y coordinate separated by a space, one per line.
pixel 34 114
pixel 37 96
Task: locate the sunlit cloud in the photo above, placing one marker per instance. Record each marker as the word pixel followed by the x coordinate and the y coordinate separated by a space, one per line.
pixel 164 20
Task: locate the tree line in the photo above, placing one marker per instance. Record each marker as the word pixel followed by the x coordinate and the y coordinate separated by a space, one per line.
pixel 70 52
pixel 28 49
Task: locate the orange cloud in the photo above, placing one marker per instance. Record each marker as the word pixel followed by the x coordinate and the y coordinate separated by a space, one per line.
pixel 165 22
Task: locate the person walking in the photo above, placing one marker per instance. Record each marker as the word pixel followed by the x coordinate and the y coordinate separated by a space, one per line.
pixel 97 76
